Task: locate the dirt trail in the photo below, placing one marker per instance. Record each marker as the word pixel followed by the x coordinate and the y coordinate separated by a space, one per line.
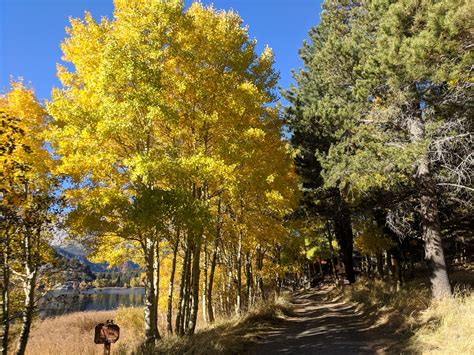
pixel 321 326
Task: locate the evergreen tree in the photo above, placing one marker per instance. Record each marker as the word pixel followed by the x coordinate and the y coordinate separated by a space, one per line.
pixel 387 87
pixel 325 107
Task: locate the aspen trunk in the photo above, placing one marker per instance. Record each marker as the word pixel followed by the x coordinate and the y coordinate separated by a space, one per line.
pixel 204 282
pixel 259 266
pixel 5 317
pixel 29 287
pixel 169 315
pixel 187 296
pixel 151 307
pixel 156 276
pixel 248 276
pixel 238 306
pixel 229 303
pixel 187 290
pixel 278 280
pixel 228 292
pixel 181 305
pixel 194 290
pixel 210 311
pixel 29 308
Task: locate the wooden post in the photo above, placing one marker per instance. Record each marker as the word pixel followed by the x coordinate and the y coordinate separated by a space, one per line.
pixel 107 348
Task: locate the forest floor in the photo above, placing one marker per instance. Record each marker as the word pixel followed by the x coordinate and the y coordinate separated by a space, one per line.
pixel 320 324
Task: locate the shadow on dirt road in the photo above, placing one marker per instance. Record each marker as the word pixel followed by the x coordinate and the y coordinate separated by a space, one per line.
pixel 319 326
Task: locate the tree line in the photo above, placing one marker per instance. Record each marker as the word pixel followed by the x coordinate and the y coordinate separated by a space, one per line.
pixel 381 118
pixel 164 147
pixel 168 146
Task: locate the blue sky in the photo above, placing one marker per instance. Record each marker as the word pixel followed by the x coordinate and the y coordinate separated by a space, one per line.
pixel 31 31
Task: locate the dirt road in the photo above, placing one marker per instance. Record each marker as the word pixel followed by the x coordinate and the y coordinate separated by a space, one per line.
pixel 320 326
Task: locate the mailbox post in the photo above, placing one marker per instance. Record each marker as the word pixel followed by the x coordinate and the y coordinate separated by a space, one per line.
pixel 106 334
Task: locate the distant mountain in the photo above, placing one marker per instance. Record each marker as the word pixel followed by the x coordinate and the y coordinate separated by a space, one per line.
pixel 75 251
pixel 72 270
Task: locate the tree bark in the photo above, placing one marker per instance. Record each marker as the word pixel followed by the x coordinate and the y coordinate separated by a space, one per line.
pixel 238 305
pixel 369 265
pixel 181 306
pixel 169 315
pixel 434 252
pixel 151 307
pixel 29 308
pixel 380 270
pixel 194 290
pixel 345 238
pixel 204 282
pixel 397 270
pixel 278 279
pixel 389 263
pixel 5 317
pixel 210 311
pixel 187 295
pixel 156 276
pixel 249 279
pixel 29 286
pixel 331 248
pixel 259 266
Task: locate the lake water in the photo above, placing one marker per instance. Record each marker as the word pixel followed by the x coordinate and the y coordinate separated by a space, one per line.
pixel 62 302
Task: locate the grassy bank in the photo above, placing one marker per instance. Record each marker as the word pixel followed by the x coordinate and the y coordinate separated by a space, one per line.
pixel 74 333
pixel 447 327
pixel 420 325
pixel 68 334
pixel 230 336
pixel 424 326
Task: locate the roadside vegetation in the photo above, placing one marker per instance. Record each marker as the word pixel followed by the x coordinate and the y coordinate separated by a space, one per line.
pixel 447 326
pixel 423 325
pixel 164 146
pixel 225 336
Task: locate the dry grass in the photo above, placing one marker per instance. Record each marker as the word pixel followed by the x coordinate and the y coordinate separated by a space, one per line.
pixel 399 308
pixel 74 333
pixel 426 327
pixel 68 334
pixel 230 336
pixel 448 326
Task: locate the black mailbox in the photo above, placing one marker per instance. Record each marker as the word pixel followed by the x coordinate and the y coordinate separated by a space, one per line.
pixel 107 333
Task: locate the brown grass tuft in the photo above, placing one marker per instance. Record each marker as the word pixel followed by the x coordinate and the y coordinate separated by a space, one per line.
pixel 68 334
pixel 448 326
pixel 424 326
pixel 230 336
pixel 74 333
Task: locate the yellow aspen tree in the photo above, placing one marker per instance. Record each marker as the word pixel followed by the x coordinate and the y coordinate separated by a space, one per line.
pixel 27 196
pixel 149 127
